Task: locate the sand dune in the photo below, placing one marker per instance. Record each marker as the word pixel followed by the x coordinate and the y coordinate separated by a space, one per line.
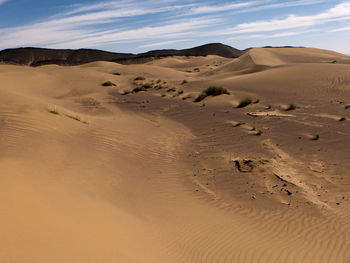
pixel 93 173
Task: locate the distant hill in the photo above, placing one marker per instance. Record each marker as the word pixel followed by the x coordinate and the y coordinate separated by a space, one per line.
pixel 42 56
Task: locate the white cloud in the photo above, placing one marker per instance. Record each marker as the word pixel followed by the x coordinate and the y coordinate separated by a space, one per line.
pixel 277 35
pixel 162 43
pixel 219 8
pixel 265 5
pixel 345 28
pixel 119 22
pixel 2 1
pixel 339 12
pixel 170 31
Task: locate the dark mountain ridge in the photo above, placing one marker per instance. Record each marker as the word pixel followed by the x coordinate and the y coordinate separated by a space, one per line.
pixel 68 57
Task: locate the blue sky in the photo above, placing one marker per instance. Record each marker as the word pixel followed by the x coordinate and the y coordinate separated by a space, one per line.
pixel 137 26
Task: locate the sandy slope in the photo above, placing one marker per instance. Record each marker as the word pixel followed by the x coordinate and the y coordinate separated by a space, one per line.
pixel 91 175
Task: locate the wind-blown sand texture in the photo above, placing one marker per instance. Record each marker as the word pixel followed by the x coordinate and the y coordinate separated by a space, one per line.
pixel 88 174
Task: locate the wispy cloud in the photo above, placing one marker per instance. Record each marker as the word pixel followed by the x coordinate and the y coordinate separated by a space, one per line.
pixel 141 34
pixel 271 4
pixel 220 8
pixel 339 12
pixel 276 35
pixel 345 28
pixel 2 1
pixel 162 44
pixel 154 23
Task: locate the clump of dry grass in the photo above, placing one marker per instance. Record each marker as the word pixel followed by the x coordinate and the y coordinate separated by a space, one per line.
pixel 291 107
pixel 54 111
pixel 245 102
pixel 139 78
pixel 108 84
pixel 126 92
pixel 211 91
pixel 238 124
pixel 315 137
pixel 138 89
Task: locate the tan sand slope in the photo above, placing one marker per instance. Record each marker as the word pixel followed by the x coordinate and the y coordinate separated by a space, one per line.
pixel 91 175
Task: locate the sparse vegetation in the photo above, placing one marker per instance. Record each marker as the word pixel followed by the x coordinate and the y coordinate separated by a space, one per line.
pixel 245 102
pixel 197 70
pixel 163 95
pixel 76 117
pixel 126 92
pixel 189 71
pixel 54 111
pixel 342 119
pixel 238 124
pixel 108 84
pixel 159 81
pixel 138 89
pixel 291 107
pixel 147 86
pixel 211 91
pixel 139 78
pixel 184 82
pixel 171 90
pixel 116 73
pixel 259 133
pixel 180 92
pixel 315 137
pixel 160 86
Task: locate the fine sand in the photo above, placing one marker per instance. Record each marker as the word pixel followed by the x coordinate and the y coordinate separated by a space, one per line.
pixel 93 173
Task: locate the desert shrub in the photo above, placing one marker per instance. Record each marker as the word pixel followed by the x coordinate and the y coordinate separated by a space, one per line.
pixel 189 71
pixel 108 84
pixel 342 119
pixel 211 91
pixel 116 73
pixel 180 92
pixel 126 92
pixel 147 86
pixel 54 111
pixel 171 90
pixel 291 107
pixel 139 78
pixel 196 69
pixel 238 124
pixel 245 102
pixel 315 137
pixel 138 89
pixel 184 82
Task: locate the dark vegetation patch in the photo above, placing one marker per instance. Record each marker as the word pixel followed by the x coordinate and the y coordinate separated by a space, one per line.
pixel 211 91
pixel 108 84
pixel 245 102
pixel 291 107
